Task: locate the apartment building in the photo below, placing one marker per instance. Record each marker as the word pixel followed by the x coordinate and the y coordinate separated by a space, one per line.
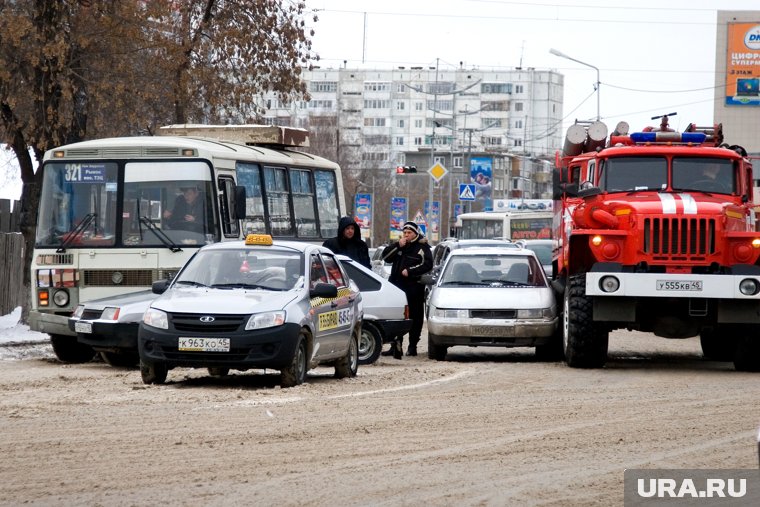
pixel 419 116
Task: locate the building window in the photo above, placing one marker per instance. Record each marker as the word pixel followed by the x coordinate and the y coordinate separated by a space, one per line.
pixel 401 123
pixel 376 104
pixel 400 87
pixel 457 162
pixel 377 86
pixel 374 122
pixel 400 141
pixel 518 142
pixel 488 123
pixel 518 124
pixel 418 124
pixel 418 106
pixel 400 106
pixel 518 106
pixel 418 141
pixel 323 86
pixel 494 105
pixel 496 88
pixel 518 88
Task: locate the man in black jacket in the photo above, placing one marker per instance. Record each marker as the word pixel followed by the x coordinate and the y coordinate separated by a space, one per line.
pixel 349 242
pixel 412 258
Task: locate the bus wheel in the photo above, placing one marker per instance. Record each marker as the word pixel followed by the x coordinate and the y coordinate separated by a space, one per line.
pixel 69 350
pixel 584 344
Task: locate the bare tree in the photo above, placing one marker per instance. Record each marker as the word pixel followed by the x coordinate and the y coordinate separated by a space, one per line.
pixel 77 69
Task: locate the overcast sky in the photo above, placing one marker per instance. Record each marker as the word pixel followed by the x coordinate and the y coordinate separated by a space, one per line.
pixel 654 57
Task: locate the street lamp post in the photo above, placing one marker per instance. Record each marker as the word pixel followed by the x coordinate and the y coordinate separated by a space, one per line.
pixel 563 55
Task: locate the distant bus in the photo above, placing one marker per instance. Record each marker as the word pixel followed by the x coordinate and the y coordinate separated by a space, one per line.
pixel 514 225
pixel 104 223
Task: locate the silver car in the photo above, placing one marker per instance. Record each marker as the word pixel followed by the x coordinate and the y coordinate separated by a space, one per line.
pixel 492 297
pixel 386 314
pixel 256 304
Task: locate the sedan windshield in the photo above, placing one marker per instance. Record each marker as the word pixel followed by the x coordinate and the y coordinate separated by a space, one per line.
pixel 495 270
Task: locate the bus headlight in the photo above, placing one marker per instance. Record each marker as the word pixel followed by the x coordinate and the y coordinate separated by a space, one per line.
pixel 61 297
pixel 749 287
pixel 156 318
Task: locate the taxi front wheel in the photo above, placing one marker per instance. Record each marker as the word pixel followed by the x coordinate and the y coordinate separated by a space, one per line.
pixel 295 373
pixel 153 373
pixel 348 365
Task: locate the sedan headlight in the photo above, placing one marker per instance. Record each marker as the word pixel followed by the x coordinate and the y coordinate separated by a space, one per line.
pixel 450 314
pixel 156 318
pixel 536 313
pixel 110 313
pixel 78 312
pixel 265 320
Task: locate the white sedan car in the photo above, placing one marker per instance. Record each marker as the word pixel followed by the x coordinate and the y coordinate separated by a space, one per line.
pixel 386 314
pixel 239 305
pixel 492 297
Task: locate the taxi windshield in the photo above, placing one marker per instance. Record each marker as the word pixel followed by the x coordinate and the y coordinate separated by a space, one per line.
pixel 245 268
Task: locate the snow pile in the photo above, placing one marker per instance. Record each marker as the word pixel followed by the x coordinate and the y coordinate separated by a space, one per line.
pixel 13 332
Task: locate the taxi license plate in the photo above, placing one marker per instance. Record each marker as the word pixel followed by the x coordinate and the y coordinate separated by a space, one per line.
pixel 204 344
pixel 83 327
pixel 680 285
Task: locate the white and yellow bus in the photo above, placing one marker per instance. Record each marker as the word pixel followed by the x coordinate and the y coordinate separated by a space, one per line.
pixel 513 225
pixel 103 223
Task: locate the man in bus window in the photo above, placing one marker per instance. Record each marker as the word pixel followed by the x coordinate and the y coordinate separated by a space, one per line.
pixel 187 213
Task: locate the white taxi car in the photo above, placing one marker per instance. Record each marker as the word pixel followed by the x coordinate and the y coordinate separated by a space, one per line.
pixel 260 303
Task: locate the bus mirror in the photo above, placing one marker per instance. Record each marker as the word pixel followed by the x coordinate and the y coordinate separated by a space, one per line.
pixel 239 202
pixel 588 190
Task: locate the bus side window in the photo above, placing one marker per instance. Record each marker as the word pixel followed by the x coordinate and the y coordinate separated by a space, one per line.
pixel 230 226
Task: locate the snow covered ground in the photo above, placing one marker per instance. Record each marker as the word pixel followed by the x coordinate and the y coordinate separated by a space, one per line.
pixel 12 332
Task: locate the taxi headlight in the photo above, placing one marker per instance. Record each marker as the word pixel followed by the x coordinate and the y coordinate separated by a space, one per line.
pixel 265 320
pixel 110 313
pixel 156 318
pixel 78 312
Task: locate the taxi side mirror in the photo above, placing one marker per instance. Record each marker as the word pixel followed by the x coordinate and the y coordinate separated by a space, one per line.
pixel 159 286
pixel 323 290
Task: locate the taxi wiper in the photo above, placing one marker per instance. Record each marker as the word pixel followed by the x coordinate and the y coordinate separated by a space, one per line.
pixel 242 285
pixel 161 235
pixel 80 228
pixel 191 282
pixel 461 282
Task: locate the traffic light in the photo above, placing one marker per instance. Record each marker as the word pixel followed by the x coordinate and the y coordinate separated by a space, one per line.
pixel 406 169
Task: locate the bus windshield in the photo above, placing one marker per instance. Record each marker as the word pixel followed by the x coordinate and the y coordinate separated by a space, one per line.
pixel 163 204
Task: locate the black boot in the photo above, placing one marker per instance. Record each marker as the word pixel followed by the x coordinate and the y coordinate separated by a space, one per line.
pixel 398 349
pixel 412 349
pixel 391 350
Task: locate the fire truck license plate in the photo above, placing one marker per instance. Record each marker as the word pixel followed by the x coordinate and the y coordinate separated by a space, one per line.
pixel 680 285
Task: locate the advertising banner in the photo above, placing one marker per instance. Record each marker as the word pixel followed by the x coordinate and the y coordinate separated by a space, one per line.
pixel 433 220
pixel 363 214
pixel 398 216
pixel 481 175
pixel 743 64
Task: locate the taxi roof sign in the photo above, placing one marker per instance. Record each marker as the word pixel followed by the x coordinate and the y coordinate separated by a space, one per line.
pixel 259 239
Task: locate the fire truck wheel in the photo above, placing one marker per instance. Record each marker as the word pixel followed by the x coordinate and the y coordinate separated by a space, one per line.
pixel 585 344
pixel 69 350
pixel 747 355
pixel 717 345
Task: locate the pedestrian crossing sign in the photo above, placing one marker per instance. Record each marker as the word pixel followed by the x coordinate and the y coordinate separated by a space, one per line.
pixel 466 192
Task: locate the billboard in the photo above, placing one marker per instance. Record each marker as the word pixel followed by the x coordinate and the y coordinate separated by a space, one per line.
pixel 363 214
pixel 398 216
pixel 481 175
pixel 743 64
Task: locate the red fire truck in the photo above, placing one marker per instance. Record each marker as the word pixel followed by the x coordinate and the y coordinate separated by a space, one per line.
pixel 656 231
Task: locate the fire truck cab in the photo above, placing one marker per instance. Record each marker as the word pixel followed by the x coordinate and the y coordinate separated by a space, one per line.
pixel 656 231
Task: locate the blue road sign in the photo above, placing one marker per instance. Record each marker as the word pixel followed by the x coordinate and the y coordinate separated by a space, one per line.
pixel 466 192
